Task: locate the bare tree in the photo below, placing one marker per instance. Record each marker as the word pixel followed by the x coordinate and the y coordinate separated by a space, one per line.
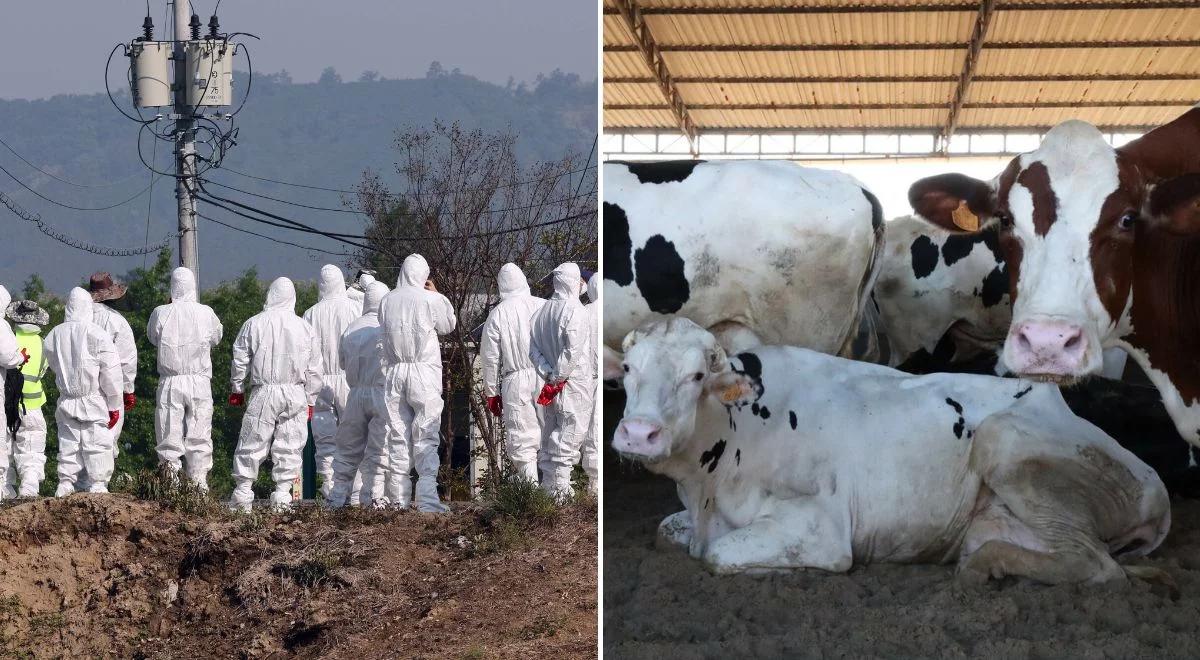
pixel 469 206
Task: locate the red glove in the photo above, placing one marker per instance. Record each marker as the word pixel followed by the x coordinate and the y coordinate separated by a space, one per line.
pixel 549 391
pixel 310 411
pixel 130 401
pixel 114 416
pixel 237 399
pixel 494 405
pixel 25 354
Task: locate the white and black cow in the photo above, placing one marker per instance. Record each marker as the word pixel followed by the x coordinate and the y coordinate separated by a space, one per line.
pixel 757 251
pixel 789 458
pixel 1103 250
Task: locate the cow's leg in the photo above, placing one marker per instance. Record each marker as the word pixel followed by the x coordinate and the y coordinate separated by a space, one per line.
pixel 998 559
pixel 795 534
pixel 734 337
pixel 675 532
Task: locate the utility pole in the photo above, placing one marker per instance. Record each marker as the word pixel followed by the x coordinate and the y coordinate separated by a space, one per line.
pixel 185 144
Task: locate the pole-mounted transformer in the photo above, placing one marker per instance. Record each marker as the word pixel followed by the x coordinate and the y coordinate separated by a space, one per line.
pixel 208 67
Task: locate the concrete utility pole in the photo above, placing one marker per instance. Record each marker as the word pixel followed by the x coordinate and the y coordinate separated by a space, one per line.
pixel 185 144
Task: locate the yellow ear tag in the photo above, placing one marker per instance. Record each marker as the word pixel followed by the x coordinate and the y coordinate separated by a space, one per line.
pixel 731 393
pixel 964 219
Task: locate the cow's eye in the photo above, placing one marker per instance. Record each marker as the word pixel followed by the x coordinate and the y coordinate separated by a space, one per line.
pixel 698 376
pixel 1005 218
pixel 1127 221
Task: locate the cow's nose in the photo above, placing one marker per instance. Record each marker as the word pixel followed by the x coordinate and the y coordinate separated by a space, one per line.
pixel 1048 347
pixel 639 437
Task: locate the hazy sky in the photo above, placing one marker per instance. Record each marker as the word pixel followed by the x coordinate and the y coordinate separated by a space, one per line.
pixel 49 48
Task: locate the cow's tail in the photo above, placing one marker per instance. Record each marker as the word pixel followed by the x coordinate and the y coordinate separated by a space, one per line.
pixel 864 339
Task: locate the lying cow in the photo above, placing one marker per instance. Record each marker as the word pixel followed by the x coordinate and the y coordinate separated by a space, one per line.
pixel 788 458
pixel 1103 251
pixel 756 251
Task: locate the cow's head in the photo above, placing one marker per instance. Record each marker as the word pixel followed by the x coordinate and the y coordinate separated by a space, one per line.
pixel 1071 215
pixel 667 368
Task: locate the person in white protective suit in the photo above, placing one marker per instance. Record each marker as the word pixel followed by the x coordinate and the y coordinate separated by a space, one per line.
pixel 357 289
pixel 29 448
pixel 11 357
pixel 103 290
pixel 559 349
pixel 185 333
pixel 590 451
pixel 329 318
pixel 362 434
pixel 88 373
pixel 412 316
pixel 510 382
pixel 279 352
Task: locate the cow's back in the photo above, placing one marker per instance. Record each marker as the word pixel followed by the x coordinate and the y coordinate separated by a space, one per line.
pixel 785 250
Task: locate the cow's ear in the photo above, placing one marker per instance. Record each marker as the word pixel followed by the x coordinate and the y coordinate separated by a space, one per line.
pixel 954 202
pixel 612 364
pixel 1174 205
pixel 731 388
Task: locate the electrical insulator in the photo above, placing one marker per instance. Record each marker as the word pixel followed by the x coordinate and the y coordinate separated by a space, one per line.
pixel 210 72
pixel 150 83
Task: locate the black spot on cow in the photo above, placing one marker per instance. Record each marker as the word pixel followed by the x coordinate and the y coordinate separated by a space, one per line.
pixel 792 419
pixel 737 456
pixel 961 423
pixel 754 409
pixel 660 279
pixel 712 456
pixel 618 247
pixel 707 501
pixel 732 424
pixel 752 369
pixel 995 286
pixel 958 247
pixel 924 362
pixel 924 256
pixel 764 412
pixel 876 209
pixel 663 171
pixel 1023 392
pixel 955 405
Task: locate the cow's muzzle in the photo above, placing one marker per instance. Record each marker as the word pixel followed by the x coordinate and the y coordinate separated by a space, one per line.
pixel 1050 349
pixel 641 439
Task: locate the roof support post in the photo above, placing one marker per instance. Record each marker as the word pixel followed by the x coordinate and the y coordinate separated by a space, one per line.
pixel 666 84
pixel 986 9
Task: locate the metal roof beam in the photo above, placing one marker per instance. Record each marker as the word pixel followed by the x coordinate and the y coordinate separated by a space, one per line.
pixel 859 130
pixel 651 53
pixel 891 8
pixel 792 80
pixel 937 45
pixel 987 8
pixel 1155 103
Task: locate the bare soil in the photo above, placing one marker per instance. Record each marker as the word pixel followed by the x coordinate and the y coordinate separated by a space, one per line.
pixel 111 576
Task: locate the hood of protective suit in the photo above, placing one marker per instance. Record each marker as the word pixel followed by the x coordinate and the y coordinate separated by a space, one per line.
pixel 332 283
pixel 373 296
pixel 183 285
pixel 365 281
pixel 281 295
pixel 79 306
pixel 414 272
pixel 512 281
pixel 566 281
pixel 5 298
pixel 594 287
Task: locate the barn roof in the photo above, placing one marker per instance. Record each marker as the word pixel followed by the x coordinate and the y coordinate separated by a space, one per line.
pixel 935 66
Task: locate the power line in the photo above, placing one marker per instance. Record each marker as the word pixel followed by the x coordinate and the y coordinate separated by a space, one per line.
pixel 273 239
pixel 70 241
pixel 58 178
pixel 77 208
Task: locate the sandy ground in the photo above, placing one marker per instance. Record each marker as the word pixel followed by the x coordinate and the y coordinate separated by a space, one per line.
pixel 662 604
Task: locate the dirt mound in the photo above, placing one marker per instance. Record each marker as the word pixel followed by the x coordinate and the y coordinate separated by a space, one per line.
pixel 660 603
pixel 112 576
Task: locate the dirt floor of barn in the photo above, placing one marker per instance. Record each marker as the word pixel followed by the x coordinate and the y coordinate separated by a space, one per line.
pixel 114 576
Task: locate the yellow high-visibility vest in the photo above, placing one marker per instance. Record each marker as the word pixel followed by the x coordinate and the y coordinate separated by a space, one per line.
pixel 34 369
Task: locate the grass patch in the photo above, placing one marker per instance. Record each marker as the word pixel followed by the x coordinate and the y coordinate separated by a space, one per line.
pixel 172 491
pixel 513 508
pixel 543 626
pixel 44 624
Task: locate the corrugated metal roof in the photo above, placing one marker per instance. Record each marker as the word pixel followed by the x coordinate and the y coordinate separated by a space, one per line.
pixel 851 64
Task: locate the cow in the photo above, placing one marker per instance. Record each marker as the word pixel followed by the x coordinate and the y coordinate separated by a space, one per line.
pixel 789 458
pixel 1102 251
pixel 756 251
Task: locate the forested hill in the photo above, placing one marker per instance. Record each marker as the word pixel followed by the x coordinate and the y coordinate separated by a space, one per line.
pixel 324 133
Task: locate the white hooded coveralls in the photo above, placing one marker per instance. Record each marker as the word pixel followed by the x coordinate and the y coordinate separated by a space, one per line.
pixel 278 351
pixel 118 330
pixel 329 318
pixel 362 433
pixel 88 373
pixel 185 333
pixel 590 452
pixel 29 450
pixel 559 350
pixel 509 373
pixel 412 318
pixel 10 358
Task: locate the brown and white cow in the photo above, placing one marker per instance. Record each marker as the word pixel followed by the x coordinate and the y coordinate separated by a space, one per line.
pixel 1103 250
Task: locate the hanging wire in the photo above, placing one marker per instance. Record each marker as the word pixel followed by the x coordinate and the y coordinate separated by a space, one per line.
pixel 21 183
pixel 70 241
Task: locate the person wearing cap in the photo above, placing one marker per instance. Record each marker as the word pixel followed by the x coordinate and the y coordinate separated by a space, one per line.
pixel 363 279
pixel 28 456
pixel 104 291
